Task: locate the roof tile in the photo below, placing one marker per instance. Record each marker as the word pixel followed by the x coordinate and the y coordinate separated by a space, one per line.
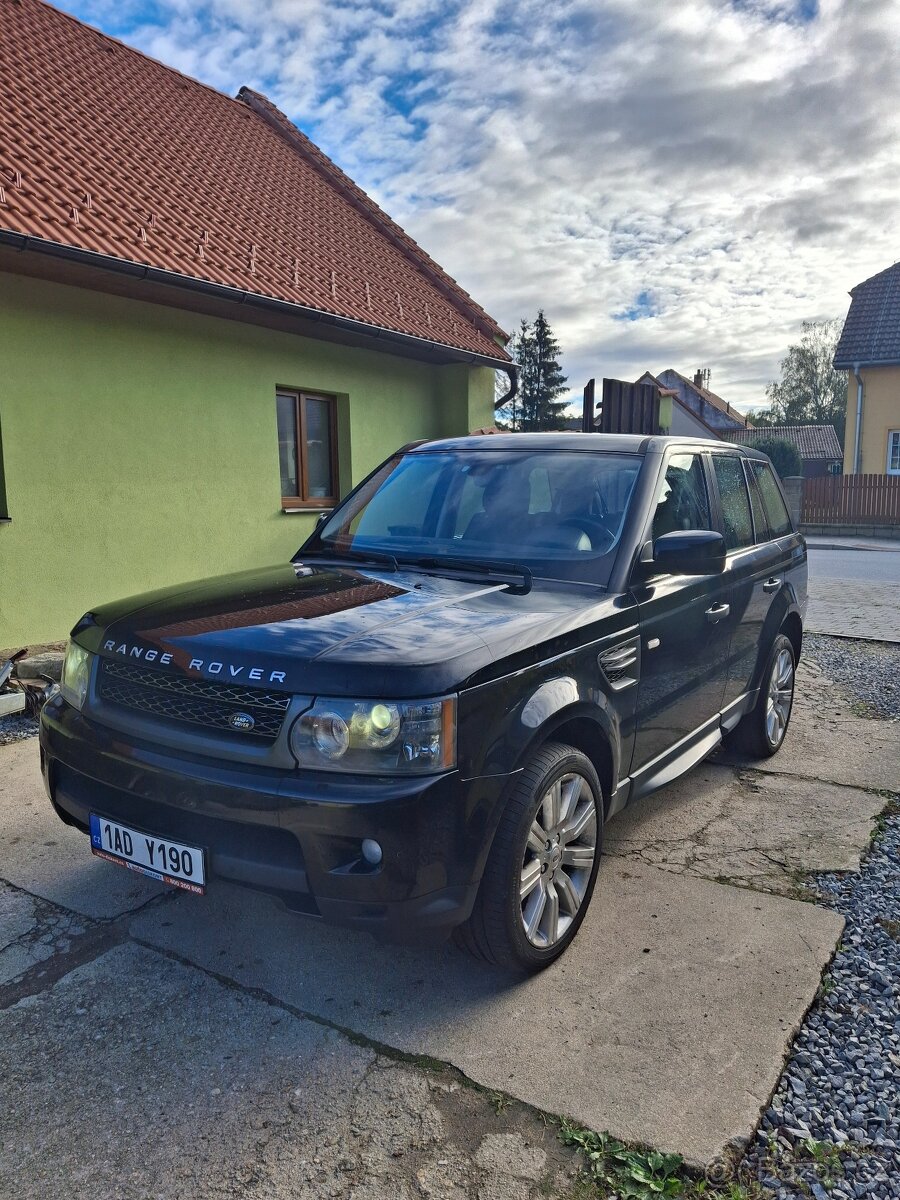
pixel 105 149
pixel 812 441
pixel 871 333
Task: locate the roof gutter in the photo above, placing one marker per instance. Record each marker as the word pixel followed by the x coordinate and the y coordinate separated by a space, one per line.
pixel 189 283
pixel 859 408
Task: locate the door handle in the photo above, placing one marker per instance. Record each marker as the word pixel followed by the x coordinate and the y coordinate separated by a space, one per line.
pixel 772 585
pixel 718 612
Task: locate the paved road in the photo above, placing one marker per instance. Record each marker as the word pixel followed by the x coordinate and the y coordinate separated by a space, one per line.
pixel 854 593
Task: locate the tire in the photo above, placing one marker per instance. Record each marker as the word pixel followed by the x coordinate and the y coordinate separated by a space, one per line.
pixel 560 857
pixel 762 731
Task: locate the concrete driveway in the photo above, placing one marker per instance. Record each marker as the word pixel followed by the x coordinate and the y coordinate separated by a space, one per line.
pixel 222 1046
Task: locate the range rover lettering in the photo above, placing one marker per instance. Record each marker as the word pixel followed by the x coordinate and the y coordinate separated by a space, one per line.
pixel 420 725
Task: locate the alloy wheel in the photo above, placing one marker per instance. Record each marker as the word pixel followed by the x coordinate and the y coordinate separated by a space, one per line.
pixel 780 697
pixel 559 859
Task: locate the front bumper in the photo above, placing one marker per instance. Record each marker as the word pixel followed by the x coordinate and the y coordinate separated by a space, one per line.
pixel 294 834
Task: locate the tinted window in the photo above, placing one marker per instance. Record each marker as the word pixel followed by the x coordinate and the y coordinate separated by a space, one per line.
pixel 735 501
pixel 683 502
pixel 544 509
pixel 773 502
pixel 760 522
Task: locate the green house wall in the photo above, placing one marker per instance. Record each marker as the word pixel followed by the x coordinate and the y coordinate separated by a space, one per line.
pixel 139 443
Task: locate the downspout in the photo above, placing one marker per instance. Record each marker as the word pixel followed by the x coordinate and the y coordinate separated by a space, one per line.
pixel 513 374
pixel 859 404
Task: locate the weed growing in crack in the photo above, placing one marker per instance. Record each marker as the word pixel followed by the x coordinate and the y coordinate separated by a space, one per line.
pixel 499 1102
pixel 631 1174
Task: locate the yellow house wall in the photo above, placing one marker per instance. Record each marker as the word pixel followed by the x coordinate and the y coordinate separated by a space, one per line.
pixel 881 413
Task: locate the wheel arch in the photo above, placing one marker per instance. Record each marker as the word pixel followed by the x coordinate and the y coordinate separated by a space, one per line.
pixel 792 628
pixel 581 728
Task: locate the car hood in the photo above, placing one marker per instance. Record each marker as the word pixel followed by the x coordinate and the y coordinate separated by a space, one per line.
pixel 314 627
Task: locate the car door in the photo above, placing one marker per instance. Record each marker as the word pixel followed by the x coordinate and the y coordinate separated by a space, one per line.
pixel 755 566
pixel 684 621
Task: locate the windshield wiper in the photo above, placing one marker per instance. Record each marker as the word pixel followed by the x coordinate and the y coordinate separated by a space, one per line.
pixel 374 557
pixel 478 566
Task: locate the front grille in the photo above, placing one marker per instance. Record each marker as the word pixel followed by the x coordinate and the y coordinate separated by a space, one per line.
pixel 196 701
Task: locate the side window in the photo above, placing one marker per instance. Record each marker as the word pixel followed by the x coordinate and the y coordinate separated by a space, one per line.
pixel 773 502
pixel 735 501
pixel 683 502
pixel 760 521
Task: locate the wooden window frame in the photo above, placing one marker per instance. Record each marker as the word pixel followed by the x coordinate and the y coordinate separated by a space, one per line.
pixel 303 500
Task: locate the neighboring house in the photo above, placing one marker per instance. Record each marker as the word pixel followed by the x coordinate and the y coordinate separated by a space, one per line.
pixel 689 409
pixel 818 445
pixel 869 348
pixel 208 332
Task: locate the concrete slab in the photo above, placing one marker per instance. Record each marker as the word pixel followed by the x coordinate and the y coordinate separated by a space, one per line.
pixel 666 1022
pixel 41 855
pixel 135 1077
pixel 745 827
pixel 827 741
pixel 31 931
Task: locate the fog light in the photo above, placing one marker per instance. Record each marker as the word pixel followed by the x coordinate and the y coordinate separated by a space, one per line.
pixel 371 851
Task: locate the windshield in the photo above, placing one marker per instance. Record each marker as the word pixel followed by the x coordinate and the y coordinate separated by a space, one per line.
pixel 558 512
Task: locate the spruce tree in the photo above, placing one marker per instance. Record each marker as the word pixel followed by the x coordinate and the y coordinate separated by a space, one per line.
pixel 549 381
pixel 536 353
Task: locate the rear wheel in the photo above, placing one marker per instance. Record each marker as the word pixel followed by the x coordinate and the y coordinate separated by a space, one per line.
pixel 542 868
pixel 761 732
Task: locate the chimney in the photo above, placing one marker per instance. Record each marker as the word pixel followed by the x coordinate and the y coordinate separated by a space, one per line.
pixel 701 377
pixel 698 378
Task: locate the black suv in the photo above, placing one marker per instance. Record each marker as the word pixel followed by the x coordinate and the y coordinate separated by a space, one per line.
pixel 421 723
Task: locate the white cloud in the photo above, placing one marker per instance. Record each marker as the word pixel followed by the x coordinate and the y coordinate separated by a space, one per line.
pixel 736 161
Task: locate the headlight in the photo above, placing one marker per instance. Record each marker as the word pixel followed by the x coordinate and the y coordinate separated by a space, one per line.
pixel 76 673
pixel 377 737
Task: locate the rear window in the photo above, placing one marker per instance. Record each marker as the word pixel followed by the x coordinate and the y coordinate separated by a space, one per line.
pixel 773 502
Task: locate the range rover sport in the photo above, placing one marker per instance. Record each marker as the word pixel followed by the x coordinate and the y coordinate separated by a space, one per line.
pixel 420 724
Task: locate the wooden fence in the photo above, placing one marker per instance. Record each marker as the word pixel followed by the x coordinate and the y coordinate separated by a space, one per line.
pixel 851 500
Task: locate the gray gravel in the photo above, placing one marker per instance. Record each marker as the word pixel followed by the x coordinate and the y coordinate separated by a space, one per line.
pixel 869 672
pixel 833 1126
pixel 841 1086
pixel 16 727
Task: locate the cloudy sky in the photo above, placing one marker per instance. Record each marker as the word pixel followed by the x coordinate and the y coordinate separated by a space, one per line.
pixel 676 182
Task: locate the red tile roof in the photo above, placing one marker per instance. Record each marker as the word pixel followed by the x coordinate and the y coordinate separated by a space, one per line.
pixel 104 149
pixel 812 441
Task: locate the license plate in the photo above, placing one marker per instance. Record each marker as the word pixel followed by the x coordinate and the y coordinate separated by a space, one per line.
pixel 171 862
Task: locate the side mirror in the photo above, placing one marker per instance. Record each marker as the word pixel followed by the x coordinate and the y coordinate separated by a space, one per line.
pixel 690 552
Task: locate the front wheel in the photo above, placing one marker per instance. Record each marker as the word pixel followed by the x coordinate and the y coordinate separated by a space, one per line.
pixel 542 868
pixel 761 732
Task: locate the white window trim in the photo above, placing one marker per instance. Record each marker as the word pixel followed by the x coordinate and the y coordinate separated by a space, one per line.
pixel 892 433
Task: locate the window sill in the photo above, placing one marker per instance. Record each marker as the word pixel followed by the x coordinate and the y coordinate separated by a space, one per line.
pixel 5 520
pixel 299 512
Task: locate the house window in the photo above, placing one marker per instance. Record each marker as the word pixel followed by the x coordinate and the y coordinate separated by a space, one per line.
pixel 893 454
pixel 307 449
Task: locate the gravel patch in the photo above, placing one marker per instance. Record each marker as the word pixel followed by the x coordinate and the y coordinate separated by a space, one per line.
pixel 868 671
pixel 16 727
pixel 833 1126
